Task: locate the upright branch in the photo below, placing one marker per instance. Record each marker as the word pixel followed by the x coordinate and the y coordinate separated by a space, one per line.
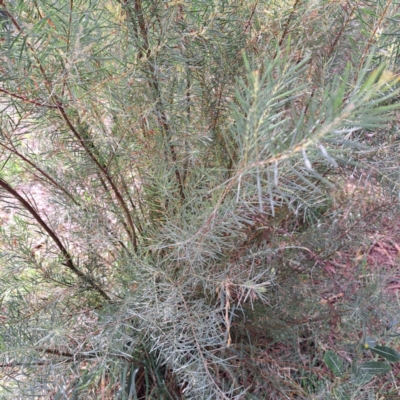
pixel 103 169
pixel 154 82
pixel 288 21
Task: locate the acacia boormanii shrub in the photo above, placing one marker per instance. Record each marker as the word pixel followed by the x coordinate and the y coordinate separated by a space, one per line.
pixel 147 150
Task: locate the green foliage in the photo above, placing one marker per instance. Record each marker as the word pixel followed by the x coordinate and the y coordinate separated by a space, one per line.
pixel 361 373
pixel 334 363
pixel 159 162
pixel 386 352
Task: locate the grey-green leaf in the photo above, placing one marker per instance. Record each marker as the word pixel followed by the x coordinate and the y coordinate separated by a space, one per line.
pixel 375 367
pixel 390 354
pixel 358 376
pixel 334 363
pixel 361 378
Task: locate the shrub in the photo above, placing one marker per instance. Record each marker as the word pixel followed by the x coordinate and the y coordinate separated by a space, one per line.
pixel 151 151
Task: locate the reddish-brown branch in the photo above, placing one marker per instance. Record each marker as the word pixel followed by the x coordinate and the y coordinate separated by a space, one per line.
pixel 26 100
pixel 142 26
pixel 289 20
pixel 67 256
pixel 162 118
pixel 248 22
pixel 29 46
pixel 43 173
pixel 335 41
pixel 369 44
pixel 53 182
pixel 103 169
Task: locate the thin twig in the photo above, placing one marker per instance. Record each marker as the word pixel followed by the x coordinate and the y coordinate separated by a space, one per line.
pixel 26 100
pixel 289 20
pixel 248 22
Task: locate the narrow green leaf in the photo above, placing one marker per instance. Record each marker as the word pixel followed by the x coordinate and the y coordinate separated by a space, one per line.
pixel 390 354
pixel 334 363
pixel 371 80
pixel 251 397
pixel 341 89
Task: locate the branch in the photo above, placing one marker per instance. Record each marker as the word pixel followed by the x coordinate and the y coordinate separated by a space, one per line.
pixel 29 46
pixel 103 169
pixel 289 20
pixel 37 168
pixel 67 256
pixel 57 185
pixel 371 38
pixel 248 22
pixel 161 116
pixel 26 100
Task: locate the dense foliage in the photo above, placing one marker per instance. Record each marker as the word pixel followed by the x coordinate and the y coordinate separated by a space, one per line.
pixel 170 183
